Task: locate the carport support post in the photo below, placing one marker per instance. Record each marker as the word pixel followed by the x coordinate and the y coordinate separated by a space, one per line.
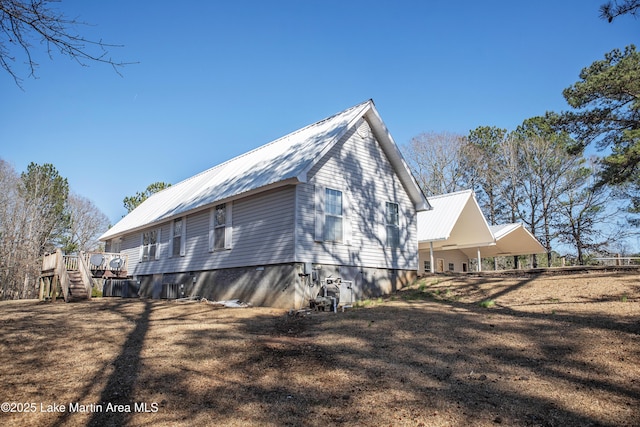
pixel 433 267
pixel 479 261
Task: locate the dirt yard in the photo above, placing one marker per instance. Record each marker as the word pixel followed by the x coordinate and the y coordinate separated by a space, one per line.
pixel 450 351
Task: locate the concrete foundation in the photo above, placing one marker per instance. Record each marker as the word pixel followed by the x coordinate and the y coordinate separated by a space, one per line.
pixel 281 286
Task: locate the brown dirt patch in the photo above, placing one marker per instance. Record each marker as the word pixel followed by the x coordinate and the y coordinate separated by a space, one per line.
pixel 551 351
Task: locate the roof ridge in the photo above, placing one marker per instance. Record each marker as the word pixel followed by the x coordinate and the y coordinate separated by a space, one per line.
pixel 455 193
pixel 326 119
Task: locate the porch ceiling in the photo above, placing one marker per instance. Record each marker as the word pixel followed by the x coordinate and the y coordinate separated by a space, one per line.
pixel 511 240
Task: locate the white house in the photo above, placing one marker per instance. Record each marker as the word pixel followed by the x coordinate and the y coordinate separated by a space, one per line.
pixel 335 198
pixel 455 231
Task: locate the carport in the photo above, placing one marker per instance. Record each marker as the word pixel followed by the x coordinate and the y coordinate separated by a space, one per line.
pixel 455 230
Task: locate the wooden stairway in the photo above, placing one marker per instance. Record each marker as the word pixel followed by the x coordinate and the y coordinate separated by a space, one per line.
pixel 77 290
pixel 65 276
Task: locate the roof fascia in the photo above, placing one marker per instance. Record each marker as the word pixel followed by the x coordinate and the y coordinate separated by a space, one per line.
pixel 394 155
pixel 467 246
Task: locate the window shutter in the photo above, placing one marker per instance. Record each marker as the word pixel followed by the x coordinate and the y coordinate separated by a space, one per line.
pixel 212 234
pixel 171 234
pixel 382 226
pixel 183 237
pixel 402 225
pixel 319 225
pixel 346 218
pixel 158 239
pixel 228 226
pixel 141 254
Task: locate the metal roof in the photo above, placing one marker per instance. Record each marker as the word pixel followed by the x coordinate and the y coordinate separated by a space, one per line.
pixel 455 220
pixel 283 161
pixel 512 239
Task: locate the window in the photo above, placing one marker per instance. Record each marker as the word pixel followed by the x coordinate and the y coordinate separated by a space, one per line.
pixel 220 227
pixel 451 267
pixel 332 220
pixel 177 238
pixel 333 215
pixel 149 245
pixel 427 266
pixel 220 220
pixel 114 245
pixel 392 220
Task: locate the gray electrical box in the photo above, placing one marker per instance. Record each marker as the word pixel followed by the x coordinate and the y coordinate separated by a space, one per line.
pixel 308 268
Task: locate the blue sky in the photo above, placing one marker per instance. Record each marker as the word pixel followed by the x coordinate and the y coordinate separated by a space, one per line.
pixel 216 79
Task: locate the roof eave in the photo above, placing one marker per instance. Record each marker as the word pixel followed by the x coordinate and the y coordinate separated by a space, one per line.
pixel 290 181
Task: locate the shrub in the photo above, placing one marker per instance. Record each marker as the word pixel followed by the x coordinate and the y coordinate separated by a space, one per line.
pixel 487 303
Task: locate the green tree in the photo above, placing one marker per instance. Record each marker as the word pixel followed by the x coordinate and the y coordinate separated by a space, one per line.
pixel 612 9
pixel 132 202
pixel 486 165
pixel 607 113
pixel 40 222
pixel 547 171
pixel 44 193
pixel 586 217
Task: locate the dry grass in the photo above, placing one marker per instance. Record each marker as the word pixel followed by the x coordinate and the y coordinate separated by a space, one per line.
pixel 550 351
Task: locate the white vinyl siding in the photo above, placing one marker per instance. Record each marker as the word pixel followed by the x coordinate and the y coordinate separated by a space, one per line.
pixel 453 256
pixel 359 168
pixel 258 231
pixel 260 228
pixel 131 247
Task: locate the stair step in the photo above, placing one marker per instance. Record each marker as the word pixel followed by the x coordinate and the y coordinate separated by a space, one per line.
pixel 76 286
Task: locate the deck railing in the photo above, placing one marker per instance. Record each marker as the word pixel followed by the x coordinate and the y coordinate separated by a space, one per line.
pixel 55 267
pixel 63 275
pixel 105 261
pixel 87 280
pixel 50 261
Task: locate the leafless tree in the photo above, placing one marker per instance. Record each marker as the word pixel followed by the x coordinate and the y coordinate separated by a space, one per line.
pixel 31 215
pixel 9 232
pixel 438 162
pixel 548 171
pixel 28 23
pixel 86 223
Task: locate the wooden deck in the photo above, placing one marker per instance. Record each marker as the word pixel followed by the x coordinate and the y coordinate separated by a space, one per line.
pixel 72 277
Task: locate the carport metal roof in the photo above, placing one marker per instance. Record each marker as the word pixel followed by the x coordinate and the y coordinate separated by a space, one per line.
pixel 456 222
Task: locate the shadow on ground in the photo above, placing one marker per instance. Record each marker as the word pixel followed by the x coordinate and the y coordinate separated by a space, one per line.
pixel 414 361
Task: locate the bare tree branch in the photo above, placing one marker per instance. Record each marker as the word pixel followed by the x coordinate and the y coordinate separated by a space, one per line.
pixel 25 22
pixel 612 9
